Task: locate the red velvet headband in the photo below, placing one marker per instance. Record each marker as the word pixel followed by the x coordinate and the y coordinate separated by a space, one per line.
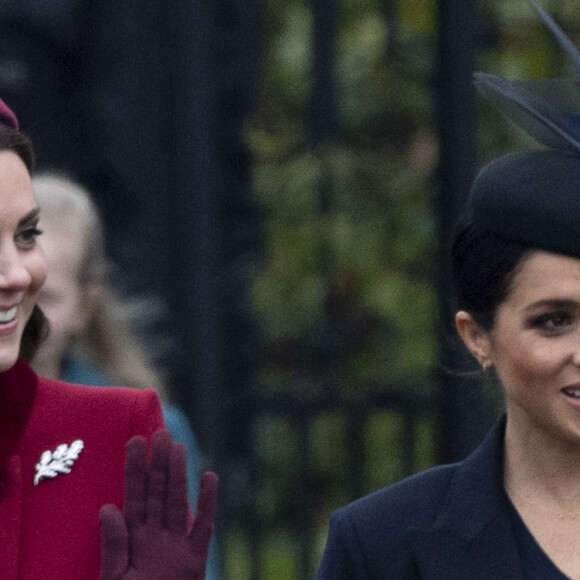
pixel 7 116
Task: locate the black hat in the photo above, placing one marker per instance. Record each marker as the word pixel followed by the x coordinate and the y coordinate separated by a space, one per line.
pixel 531 197
pixel 534 197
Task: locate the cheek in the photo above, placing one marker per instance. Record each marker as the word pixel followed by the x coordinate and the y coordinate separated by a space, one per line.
pixel 38 272
pixel 58 312
pixel 522 364
pixel 62 311
pixel 59 328
pixel 53 312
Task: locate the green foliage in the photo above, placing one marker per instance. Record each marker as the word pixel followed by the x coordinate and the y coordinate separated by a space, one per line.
pixel 350 228
pixel 346 293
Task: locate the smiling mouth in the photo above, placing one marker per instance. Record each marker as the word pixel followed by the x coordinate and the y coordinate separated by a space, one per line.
pixel 8 315
pixel 571 392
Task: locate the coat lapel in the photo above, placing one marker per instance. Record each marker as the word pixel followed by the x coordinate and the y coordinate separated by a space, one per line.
pixel 472 537
pixel 492 556
pixel 17 392
pixel 10 516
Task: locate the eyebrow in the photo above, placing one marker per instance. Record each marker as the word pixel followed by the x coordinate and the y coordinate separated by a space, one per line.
pixel 29 217
pixel 552 303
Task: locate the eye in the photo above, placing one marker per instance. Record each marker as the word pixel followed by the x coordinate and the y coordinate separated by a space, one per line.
pixel 553 322
pixel 27 238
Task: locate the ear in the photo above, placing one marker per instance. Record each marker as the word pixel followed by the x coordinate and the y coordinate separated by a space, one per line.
pixel 475 338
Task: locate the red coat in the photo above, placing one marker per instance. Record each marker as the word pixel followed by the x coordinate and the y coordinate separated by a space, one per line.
pixel 51 531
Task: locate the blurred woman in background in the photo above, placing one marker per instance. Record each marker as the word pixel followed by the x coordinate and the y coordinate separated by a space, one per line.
pixel 93 337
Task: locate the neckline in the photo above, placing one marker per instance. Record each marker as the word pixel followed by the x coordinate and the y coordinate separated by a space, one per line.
pixel 535 563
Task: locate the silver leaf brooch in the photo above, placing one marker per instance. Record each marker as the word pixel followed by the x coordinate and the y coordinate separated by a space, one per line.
pixel 58 461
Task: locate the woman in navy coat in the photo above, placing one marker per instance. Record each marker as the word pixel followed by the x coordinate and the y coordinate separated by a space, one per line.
pixel 511 510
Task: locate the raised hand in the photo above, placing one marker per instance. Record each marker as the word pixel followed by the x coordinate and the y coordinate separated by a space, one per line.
pixel 151 539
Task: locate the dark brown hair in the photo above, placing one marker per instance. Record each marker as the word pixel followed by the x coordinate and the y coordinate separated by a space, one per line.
pixel 36 329
pixel 483 266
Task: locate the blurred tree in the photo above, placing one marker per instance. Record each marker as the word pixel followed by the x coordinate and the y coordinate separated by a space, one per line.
pixel 374 245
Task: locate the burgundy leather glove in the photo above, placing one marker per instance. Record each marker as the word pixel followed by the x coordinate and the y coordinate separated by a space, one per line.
pixel 151 539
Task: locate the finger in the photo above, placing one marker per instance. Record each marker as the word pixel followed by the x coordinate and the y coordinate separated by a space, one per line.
pixel 114 543
pixel 134 506
pixel 177 502
pixel 158 475
pixel 204 517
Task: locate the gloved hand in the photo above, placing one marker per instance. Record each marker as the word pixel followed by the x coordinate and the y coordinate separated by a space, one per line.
pixel 150 539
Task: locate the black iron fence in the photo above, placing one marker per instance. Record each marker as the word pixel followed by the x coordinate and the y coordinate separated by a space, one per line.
pixel 317 454
pixel 315 448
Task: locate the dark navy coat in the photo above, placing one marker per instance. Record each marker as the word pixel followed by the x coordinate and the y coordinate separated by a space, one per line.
pixel 450 522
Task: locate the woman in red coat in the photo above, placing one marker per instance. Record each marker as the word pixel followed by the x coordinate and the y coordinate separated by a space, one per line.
pixel 71 457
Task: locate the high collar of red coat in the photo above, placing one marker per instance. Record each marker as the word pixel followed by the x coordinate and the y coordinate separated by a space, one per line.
pixel 17 391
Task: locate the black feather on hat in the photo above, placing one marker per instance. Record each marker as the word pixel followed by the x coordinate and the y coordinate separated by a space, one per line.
pixel 547 109
pixel 534 197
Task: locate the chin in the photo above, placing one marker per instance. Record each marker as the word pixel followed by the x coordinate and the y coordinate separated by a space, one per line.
pixel 6 364
pixel 8 357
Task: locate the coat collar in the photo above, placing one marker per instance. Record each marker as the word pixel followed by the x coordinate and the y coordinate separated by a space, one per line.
pixel 471 536
pixel 17 391
pixel 476 494
pixel 11 518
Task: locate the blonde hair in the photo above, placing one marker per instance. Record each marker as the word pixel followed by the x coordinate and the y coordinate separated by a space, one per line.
pixel 108 340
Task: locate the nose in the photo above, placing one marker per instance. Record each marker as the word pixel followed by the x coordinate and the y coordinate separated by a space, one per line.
pixel 14 276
